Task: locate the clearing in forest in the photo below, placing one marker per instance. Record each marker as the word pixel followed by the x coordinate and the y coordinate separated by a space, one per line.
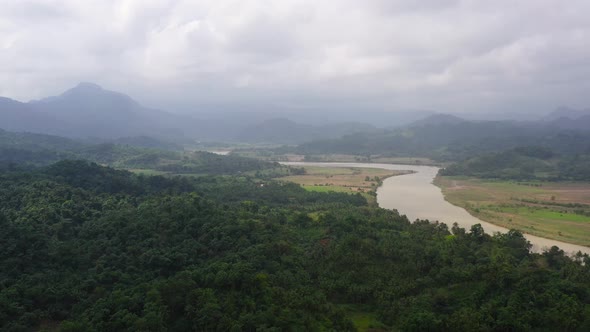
pixel 555 210
pixel 343 179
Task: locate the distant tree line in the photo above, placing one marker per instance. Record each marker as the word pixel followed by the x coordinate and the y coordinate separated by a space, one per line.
pixel 525 163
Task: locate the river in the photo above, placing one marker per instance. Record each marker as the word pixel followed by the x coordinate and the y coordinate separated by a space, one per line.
pixel 415 196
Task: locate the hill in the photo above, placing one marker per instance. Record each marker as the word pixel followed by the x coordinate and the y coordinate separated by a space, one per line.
pixel 143 153
pixel 451 139
pixel 88 110
pixel 17 116
pixel 568 118
pixel 437 119
pixel 524 163
pixel 566 112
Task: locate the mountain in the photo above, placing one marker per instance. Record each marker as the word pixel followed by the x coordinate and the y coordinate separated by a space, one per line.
pixel 285 131
pixel 566 118
pixel 452 141
pixel 566 112
pixel 17 116
pixel 88 110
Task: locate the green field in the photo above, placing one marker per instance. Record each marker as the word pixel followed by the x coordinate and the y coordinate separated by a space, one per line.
pixel 364 318
pixel 554 210
pixel 343 179
pixel 266 154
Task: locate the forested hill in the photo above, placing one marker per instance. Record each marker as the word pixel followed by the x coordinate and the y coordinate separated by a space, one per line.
pixel 89 248
pixel 452 140
pixel 525 163
pixel 88 110
pixel 142 152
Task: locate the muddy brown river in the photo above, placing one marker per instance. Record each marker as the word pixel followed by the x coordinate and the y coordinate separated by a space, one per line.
pixel 415 196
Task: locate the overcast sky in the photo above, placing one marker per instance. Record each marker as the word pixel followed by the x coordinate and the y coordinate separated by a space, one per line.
pixel 442 55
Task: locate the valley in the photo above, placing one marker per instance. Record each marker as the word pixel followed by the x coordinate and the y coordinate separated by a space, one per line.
pixel 143 219
pixel 291 166
pixel 554 210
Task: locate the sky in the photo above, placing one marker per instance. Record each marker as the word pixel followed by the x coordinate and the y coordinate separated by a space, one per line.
pixel 443 55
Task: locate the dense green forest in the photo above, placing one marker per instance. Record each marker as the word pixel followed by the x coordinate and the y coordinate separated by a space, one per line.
pixel 503 150
pixel 450 141
pixel 88 248
pixel 128 153
pixel 524 163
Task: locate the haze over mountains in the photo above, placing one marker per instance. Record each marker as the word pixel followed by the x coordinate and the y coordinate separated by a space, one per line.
pixel 285 131
pixel 569 118
pixel 88 110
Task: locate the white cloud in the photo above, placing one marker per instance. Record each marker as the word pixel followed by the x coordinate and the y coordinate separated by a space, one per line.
pixel 427 54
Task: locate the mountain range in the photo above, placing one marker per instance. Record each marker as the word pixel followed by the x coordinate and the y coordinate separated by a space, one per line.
pixel 569 118
pixel 89 111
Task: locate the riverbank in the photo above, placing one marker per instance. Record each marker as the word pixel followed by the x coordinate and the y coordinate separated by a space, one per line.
pixel 558 211
pixel 334 158
pixel 415 196
pixel 364 181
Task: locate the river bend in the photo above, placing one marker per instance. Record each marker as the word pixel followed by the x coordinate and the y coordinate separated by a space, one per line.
pixel 415 196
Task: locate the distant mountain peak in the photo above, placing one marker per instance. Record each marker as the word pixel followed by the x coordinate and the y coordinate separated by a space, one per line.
pixel 88 86
pixel 85 94
pixel 438 119
pixel 85 88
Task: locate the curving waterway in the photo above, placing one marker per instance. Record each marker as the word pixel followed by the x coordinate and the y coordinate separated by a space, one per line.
pixel 415 196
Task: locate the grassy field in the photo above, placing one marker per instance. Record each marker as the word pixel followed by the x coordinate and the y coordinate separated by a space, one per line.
pixel 271 156
pixel 358 159
pixel 559 211
pixel 342 179
pixel 364 318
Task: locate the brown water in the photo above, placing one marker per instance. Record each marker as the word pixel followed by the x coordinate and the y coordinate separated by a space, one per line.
pixel 415 196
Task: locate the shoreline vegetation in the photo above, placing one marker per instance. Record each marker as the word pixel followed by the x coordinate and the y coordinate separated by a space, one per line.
pixel 293 157
pixel 553 210
pixel 108 250
pixel 352 180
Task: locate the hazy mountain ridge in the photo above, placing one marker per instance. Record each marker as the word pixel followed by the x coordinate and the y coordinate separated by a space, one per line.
pixel 285 131
pixel 30 150
pixel 43 149
pixel 18 116
pixel 448 138
pixel 566 112
pixel 88 110
pixel 568 118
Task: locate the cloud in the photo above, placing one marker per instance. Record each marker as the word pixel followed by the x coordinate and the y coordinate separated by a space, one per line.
pixel 444 55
